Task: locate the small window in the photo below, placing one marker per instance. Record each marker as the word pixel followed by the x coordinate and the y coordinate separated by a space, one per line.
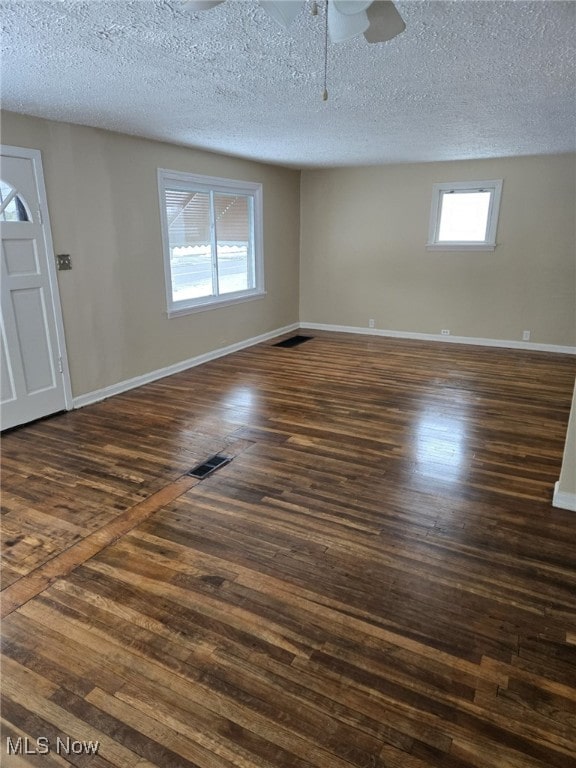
pixel 464 215
pixel 12 205
pixel 212 233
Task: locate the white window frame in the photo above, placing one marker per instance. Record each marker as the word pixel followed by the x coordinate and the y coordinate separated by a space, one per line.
pixel 168 179
pixel 494 186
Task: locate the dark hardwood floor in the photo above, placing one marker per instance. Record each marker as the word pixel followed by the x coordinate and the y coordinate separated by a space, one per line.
pixel 377 579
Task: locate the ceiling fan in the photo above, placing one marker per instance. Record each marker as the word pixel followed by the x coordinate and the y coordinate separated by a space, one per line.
pixel 377 20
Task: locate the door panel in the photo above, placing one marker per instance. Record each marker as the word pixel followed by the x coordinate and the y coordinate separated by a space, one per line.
pixel 7 392
pixel 20 257
pixel 32 329
pixel 34 380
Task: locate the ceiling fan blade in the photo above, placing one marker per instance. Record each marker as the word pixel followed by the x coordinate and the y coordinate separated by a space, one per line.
pixel 385 22
pixel 282 11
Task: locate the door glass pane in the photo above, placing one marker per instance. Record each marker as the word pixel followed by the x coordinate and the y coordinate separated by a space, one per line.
pixel 188 214
pixel 12 206
pixel 235 242
pixel 464 217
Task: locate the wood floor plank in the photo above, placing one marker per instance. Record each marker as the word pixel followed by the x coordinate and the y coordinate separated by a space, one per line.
pixel 37 581
pixel 377 580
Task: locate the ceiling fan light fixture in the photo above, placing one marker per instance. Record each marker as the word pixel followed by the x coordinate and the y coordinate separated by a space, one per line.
pixel 200 5
pixel 282 11
pixel 377 20
pixel 350 7
pixel 343 26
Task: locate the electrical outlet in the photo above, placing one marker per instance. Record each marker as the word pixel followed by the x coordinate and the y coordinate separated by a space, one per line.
pixel 370 323
pixel 445 332
pixel 525 335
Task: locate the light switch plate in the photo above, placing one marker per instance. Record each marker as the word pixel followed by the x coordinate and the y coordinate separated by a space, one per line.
pixel 63 261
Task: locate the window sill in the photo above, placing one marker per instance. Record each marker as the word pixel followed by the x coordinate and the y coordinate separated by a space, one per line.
pixel 214 304
pixel 460 246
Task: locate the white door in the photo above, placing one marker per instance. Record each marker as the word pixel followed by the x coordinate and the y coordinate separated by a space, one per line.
pixel 34 373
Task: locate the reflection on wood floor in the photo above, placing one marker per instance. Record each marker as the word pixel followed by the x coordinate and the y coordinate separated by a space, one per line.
pixel 378 578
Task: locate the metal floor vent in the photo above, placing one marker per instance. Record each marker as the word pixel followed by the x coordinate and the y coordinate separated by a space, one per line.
pixel 293 341
pixel 207 467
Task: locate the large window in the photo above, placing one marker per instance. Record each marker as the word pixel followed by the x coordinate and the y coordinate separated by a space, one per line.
pixel 464 215
pixel 212 233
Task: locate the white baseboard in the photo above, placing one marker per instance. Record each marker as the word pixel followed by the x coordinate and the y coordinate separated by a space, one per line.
pixel 146 378
pixel 160 373
pixel 438 337
pixel 563 499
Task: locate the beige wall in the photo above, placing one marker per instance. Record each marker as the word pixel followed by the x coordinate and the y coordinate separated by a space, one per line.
pixel 103 202
pixel 363 255
pixel 362 241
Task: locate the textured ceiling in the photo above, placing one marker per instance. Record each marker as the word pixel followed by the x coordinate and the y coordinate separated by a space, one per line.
pixel 466 79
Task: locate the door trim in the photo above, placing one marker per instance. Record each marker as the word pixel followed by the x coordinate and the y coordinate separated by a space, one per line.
pixel 35 155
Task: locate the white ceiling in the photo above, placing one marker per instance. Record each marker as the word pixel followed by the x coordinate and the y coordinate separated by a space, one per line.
pixel 467 79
